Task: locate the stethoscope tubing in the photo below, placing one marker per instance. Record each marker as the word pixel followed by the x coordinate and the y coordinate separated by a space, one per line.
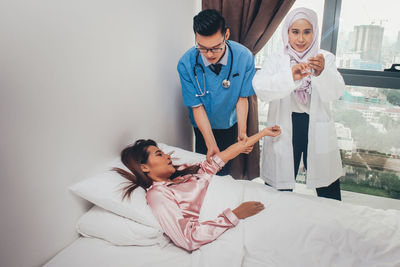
pixel 225 83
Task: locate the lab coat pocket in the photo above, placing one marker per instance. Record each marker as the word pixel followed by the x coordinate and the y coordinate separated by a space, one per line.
pixel 325 137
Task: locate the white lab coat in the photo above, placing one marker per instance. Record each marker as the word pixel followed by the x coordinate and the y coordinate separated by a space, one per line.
pixel 274 84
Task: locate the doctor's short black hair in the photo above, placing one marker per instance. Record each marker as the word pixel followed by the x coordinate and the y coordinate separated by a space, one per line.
pixel 209 22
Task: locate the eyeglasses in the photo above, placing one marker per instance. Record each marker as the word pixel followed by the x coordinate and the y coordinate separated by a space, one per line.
pixel 213 50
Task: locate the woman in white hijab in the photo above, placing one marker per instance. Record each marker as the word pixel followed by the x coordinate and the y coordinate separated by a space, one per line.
pixel 299 85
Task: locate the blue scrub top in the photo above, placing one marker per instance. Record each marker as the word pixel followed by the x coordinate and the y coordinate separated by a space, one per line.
pixel 220 102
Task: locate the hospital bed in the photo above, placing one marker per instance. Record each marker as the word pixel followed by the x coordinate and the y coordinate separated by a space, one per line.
pixel 88 252
pixel 293 230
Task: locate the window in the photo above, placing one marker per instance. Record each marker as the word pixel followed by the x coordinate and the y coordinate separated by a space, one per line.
pixel 367 124
pixel 367 116
pixel 369 34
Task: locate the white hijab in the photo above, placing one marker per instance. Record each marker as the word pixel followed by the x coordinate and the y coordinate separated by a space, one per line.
pixel 310 16
pixel 297 57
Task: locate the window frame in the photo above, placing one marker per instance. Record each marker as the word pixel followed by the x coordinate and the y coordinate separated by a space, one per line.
pixel 356 77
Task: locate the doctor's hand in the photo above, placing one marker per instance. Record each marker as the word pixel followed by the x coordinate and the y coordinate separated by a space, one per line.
pixel 211 151
pixel 272 131
pixel 247 209
pixel 317 63
pixel 242 137
pixel 301 70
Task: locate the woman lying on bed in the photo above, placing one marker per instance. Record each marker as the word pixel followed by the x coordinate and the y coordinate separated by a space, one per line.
pixel 175 194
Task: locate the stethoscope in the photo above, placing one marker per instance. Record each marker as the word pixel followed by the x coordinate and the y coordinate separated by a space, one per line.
pixel 225 83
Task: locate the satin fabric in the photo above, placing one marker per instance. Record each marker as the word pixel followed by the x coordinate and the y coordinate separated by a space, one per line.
pixel 177 204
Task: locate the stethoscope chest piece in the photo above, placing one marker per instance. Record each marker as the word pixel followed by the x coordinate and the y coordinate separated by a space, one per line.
pixel 226 83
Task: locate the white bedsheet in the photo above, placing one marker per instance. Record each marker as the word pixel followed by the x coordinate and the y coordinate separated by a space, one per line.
pixel 299 230
pixel 293 230
pixel 93 252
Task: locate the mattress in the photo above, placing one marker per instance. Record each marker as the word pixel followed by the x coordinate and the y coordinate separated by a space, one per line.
pixel 87 252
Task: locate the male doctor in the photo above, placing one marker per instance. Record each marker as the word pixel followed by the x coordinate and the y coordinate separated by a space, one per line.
pixel 216 77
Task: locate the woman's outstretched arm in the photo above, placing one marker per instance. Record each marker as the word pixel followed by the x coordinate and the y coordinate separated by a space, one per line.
pixel 241 146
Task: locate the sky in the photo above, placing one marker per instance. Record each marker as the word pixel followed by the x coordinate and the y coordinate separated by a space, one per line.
pixel 360 12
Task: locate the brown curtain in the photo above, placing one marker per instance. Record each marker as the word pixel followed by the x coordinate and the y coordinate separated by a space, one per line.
pixel 251 23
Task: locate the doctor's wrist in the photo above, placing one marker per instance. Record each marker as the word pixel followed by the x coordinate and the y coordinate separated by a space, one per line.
pixel 242 134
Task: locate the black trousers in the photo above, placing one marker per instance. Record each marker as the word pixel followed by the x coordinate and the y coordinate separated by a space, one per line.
pixel 224 139
pixel 300 123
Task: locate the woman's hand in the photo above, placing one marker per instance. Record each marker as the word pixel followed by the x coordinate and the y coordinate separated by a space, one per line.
pixel 242 137
pixel 317 63
pixel 247 209
pixel 242 146
pixel 301 70
pixel 272 131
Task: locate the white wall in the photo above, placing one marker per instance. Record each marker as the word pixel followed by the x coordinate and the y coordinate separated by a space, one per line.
pixel 79 80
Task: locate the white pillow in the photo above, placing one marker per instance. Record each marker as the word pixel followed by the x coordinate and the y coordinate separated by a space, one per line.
pixel 100 223
pixel 104 189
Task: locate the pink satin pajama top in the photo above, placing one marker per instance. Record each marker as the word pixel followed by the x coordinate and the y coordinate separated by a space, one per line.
pixel 176 205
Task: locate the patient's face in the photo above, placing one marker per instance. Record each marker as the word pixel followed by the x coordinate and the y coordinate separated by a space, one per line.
pixel 159 164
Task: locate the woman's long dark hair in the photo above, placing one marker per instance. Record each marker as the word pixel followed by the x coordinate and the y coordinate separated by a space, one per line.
pixel 135 155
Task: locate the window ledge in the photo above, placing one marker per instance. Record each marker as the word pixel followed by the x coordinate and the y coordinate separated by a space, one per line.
pixel 352 197
pixel 357 198
pixel 370 78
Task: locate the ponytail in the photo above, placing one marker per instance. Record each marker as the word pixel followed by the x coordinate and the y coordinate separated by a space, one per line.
pixel 130 186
